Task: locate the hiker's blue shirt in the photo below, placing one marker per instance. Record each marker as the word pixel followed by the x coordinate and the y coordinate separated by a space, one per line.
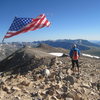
pixel 71 51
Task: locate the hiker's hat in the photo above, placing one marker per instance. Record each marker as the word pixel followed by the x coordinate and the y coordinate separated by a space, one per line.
pixel 74 46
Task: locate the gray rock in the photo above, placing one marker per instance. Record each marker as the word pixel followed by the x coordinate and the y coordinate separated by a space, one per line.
pixel 69 79
pixel 68 98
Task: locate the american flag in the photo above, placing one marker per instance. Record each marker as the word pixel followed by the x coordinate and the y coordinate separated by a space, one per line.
pixel 22 25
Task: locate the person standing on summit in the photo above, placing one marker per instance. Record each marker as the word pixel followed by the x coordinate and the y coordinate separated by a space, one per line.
pixel 74 55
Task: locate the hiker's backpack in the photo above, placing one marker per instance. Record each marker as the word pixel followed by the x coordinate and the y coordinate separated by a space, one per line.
pixel 75 55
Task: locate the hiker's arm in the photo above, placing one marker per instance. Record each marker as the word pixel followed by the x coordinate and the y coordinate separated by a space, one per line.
pixel 70 54
pixel 79 53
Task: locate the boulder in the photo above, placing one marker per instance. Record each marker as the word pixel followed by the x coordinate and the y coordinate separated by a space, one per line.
pixel 74 95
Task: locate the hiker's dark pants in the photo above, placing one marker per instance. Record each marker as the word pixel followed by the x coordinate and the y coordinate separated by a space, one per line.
pixel 75 62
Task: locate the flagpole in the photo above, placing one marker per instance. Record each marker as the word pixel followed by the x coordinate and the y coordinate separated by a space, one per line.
pixel 3 40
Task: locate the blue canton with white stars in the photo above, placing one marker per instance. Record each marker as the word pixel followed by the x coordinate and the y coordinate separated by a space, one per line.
pixel 19 23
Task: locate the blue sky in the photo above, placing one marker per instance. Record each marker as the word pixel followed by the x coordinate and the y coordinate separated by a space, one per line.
pixel 71 19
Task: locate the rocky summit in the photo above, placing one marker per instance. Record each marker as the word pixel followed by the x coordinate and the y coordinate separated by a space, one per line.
pixel 34 74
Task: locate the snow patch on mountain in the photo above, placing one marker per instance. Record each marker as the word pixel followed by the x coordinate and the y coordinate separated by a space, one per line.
pixel 56 54
pixel 83 54
pixel 91 56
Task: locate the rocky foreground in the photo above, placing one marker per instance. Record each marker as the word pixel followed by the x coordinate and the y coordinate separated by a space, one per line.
pixel 53 81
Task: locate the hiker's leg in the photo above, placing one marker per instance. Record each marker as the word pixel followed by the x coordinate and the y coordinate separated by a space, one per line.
pixel 77 65
pixel 73 64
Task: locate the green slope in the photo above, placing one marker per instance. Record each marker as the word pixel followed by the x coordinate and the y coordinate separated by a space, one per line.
pixel 93 51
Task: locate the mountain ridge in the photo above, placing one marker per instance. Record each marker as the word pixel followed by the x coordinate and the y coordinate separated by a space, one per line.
pixel 84 45
pixel 67 43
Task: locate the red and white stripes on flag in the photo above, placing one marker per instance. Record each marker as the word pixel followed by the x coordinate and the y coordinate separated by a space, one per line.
pixel 22 25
